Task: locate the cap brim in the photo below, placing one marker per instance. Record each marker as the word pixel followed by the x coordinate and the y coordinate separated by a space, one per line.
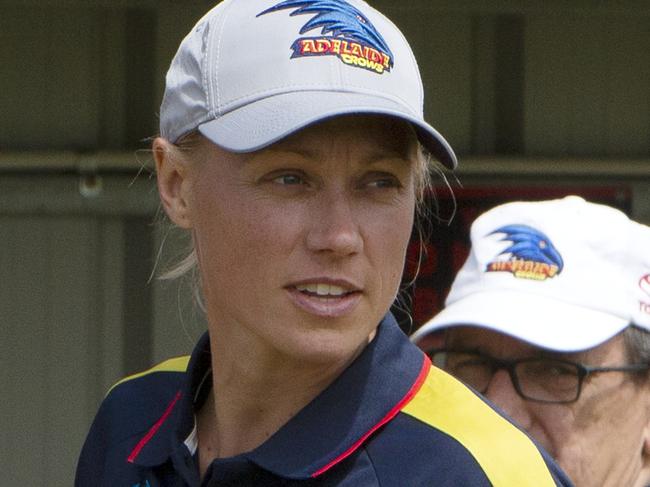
pixel 261 123
pixel 541 321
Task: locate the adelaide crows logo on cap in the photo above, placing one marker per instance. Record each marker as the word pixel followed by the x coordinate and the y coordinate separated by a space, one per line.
pixel 532 255
pixel 354 40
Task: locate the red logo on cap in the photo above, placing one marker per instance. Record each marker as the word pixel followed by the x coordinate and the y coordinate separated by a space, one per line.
pixel 644 284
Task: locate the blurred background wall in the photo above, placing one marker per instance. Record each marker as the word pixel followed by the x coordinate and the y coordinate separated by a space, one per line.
pixel 538 98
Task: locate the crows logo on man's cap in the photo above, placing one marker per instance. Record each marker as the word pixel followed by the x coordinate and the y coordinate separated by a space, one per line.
pixel 532 255
pixel 353 38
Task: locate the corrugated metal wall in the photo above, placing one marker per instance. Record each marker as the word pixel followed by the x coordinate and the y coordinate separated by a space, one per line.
pixel 80 81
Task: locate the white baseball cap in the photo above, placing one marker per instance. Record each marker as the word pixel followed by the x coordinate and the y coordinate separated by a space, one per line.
pixel 563 274
pixel 252 72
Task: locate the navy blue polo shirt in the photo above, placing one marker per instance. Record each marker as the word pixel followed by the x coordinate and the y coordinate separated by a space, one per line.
pixel 390 419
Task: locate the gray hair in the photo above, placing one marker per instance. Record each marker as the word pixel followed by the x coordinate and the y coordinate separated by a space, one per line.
pixel 637 344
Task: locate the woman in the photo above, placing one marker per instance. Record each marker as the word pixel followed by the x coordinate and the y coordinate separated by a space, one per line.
pixel 295 161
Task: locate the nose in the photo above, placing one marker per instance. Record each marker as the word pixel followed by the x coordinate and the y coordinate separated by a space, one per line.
pixel 335 225
pixel 502 392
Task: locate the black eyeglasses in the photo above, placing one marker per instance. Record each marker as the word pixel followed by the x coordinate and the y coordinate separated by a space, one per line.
pixel 535 379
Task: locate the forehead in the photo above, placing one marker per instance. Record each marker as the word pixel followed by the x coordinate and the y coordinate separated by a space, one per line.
pixel 369 133
pixel 501 345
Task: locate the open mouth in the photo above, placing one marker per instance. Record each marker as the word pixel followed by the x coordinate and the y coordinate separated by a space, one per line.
pixel 323 290
pixel 325 299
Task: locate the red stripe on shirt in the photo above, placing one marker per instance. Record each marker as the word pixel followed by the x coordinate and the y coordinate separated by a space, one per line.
pixel 154 429
pixel 426 365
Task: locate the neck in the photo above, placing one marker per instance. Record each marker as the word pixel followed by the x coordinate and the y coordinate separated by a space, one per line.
pixel 251 400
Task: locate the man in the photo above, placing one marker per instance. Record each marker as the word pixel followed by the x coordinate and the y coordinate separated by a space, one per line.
pixel 550 318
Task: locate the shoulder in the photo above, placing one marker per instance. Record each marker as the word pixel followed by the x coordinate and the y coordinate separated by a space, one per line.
pixel 448 428
pixel 176 365
pixel 129 409
pixel 135 401
pixel 407 452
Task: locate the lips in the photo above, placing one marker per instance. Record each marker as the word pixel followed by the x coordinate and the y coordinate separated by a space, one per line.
pixel 325 298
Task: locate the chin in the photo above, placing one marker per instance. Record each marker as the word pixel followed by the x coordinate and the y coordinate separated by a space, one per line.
pixel 328 347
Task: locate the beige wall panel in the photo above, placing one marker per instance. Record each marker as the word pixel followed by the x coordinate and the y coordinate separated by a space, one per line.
pixel 107 337
pixel 112 73
pixel 641 201
pixel 628 107
pixel 587 85
pixel 69 360
pixel 50 93
pixel 61 345
pixel 24 318
pixel 564 85
pixel 442 43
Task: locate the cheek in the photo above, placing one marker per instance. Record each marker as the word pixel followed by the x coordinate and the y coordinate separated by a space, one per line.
pixel 575 430
pixel 551 425
pixel 394 232
pixel 241 239
pixel 387 245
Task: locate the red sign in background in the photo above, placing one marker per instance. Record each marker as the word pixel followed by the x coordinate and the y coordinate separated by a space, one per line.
pixel 447 245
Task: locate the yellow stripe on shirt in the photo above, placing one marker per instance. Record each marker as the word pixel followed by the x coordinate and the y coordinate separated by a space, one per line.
pixel 507 456
pixel 176 364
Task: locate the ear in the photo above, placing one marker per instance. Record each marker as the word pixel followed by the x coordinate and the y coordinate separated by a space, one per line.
pixel 643 404
pixel 646 427
pixel 172 173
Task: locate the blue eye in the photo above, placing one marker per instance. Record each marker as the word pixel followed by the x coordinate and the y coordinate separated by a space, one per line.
pixel 384 181
pixel 289 179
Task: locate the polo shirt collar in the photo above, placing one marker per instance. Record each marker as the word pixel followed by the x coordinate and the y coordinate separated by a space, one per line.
pixel 175 430
pixel 371 391
pixel 366 395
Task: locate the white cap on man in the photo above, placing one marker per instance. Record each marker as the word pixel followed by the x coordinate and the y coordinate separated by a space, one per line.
pixel 563 274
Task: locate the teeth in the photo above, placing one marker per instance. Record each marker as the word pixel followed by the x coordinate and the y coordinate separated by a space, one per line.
pixel 322 289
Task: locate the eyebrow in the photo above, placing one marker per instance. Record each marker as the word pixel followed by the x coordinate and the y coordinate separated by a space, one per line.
pixel 576 356
pixel 278 148
pixel 534 353
pixel 379 155
pixel 550 354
